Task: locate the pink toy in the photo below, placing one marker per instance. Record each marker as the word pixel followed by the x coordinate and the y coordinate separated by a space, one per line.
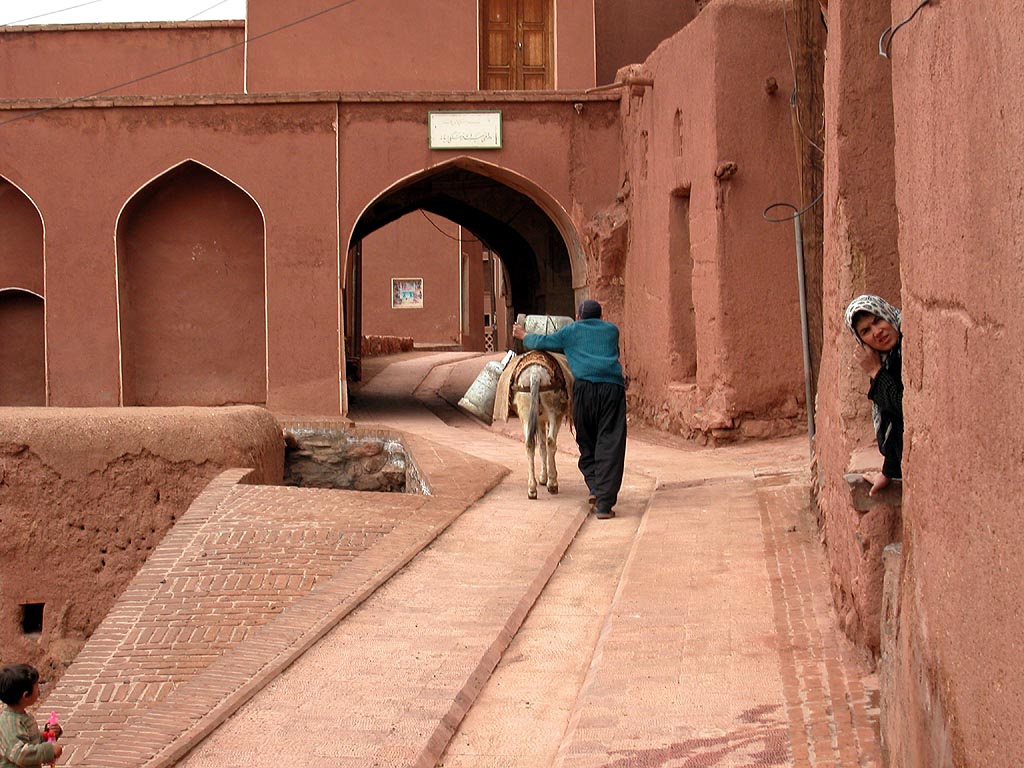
pixel 50 732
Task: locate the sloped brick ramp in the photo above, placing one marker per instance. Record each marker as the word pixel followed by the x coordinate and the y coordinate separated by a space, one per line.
pixel 248 580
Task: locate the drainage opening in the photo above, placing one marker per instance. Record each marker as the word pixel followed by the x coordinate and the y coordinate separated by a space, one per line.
pixel 31 618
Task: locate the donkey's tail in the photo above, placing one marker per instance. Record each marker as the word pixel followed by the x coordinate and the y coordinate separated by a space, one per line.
pixel 531 422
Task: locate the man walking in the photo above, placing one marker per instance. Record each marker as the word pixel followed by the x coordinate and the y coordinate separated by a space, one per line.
pixel 591 345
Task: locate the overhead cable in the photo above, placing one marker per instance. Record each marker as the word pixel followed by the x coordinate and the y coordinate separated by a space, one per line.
pixel 173 67
pixel 796 82
pixel 206 10
pixel 50 13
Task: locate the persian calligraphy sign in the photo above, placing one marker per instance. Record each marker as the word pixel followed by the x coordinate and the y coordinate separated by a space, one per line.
pixel 464 130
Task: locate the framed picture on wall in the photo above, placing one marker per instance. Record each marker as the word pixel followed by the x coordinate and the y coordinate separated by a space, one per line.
pixel 407 293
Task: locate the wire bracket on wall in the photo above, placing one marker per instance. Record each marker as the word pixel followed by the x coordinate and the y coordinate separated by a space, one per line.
pixel 885 41
pixel 766 217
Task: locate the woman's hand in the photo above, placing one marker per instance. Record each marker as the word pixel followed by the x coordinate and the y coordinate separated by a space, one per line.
pixel 878 482
pixel 518 331
pixel 868 359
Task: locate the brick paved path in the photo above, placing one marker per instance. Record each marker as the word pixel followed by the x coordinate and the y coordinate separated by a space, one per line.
pixel 247 580
pixel 694 629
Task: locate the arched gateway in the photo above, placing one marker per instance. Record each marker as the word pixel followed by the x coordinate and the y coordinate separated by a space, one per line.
pixel 498 211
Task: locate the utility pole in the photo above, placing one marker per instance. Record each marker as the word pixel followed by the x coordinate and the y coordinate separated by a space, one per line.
pixel 807 34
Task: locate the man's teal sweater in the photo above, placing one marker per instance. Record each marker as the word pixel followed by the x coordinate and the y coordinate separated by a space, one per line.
pixel 591 347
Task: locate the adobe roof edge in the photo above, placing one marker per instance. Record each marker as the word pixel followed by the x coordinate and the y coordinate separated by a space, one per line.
pixel 120 26
pixel 342 97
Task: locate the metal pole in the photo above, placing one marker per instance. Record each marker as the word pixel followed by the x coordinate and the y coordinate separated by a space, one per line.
pixel 803 329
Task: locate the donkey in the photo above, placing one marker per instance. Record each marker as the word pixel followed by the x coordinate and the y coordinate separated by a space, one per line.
pixel 541 400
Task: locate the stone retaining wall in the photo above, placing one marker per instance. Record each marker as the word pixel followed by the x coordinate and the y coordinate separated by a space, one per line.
pixel 355 459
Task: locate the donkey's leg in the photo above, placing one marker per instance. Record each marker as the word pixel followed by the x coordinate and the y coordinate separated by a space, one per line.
pixel 531 480
pixel 542 446
pixel 551 439
pixel 529 444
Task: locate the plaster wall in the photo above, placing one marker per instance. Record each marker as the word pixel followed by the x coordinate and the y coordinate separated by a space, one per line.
pixel 70 61
pixel 713 138
pixel 412 247
pixel 860 256
pixel 90 492
pixel 627 33
pixel 23 349
pixel 21 248
pixel 191 293
pixel 960 194
pixel 398 45
pixel 82 165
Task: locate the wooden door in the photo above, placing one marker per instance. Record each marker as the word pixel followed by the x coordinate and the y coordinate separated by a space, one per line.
pixel 516 45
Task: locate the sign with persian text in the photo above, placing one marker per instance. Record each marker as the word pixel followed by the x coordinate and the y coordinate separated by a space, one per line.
pixel 464 130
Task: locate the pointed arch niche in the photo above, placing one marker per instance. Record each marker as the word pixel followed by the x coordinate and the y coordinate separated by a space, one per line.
pixel 22 308
pixel 191 292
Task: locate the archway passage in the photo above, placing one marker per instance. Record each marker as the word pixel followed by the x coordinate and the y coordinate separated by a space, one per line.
pixel 495 218
pixel 22 350
pixel 506 220
pixel 192 291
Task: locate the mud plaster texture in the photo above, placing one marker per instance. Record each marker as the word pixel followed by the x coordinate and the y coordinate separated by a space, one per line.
pixel 860 256
pixel 710 310
pixel 85 496
pixel 958 672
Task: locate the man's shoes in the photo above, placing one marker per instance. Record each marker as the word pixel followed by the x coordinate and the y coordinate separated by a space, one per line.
pixel 605 514
pixel 592 500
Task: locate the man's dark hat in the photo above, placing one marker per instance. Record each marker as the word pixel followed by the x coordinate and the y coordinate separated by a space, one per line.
pixel 589 309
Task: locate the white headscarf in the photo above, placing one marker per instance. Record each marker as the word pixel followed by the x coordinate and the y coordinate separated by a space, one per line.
pixel 878 307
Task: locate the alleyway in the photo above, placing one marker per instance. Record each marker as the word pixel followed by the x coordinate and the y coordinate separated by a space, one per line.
pixel 694 629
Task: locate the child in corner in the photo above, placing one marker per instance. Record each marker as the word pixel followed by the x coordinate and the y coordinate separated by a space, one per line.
pixel 21 744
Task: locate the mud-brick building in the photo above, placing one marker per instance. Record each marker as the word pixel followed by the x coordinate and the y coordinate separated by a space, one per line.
pixel 226 232
pixel 229 231
pixel 923 206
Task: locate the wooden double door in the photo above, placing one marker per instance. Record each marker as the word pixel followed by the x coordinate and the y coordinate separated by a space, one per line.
pixel 517 45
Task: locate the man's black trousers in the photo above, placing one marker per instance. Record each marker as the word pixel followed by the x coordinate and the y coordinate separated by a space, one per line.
pixel 599 415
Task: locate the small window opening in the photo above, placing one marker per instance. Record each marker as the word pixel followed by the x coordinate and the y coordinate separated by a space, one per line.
pixel 32 618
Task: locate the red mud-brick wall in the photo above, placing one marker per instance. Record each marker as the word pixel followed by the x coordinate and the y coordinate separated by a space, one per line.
pixel 705 153
pixel 69 61
pixel 958 86
pixel 860 256
pixel 85 496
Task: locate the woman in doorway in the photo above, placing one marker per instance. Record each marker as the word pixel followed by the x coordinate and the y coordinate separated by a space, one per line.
pixel 875 323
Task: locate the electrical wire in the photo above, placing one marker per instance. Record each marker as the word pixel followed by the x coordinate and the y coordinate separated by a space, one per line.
pixel 885 41
pixel 796 81
pixel 814 202
pixel 50 13
pixel 205 10
pixel 450 237
pixel 173 67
